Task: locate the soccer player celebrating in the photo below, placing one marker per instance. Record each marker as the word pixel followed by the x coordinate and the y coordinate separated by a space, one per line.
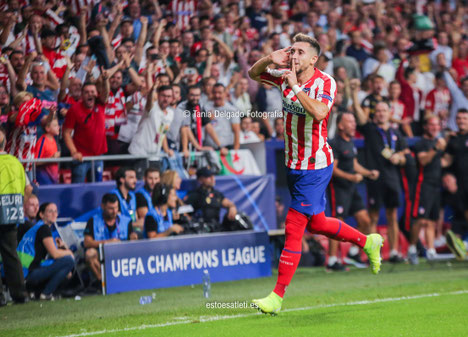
pixel 308 95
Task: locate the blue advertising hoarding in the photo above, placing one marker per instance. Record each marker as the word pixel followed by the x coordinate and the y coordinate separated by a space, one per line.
pixel 180 261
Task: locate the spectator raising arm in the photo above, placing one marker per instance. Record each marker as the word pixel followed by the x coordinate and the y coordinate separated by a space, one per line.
pixel 101 25
pixel 139 49
pixel 361 116
pixel 103 80
pixel 21 82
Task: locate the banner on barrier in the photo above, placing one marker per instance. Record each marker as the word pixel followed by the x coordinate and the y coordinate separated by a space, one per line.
pixel 180 261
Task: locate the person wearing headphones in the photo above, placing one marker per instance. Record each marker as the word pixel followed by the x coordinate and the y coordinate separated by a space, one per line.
pixel 159 219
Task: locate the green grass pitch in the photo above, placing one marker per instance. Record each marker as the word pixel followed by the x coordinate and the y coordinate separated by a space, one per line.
pixel 427 300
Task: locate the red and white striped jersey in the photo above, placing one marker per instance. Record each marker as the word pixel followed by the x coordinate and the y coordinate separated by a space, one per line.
pixel 438 101
pixel 115 112
pixel 305 138
pixel 77 5
pixel 183 10
pixel 22 144
pixel 57 62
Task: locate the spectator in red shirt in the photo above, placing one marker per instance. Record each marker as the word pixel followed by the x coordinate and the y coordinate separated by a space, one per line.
pixel 87 120
pixel 46 147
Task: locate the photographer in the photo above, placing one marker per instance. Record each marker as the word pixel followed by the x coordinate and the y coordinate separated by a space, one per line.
pixel 207 202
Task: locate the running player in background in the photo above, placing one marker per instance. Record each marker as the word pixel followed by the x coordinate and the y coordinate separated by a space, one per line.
pixel 308 95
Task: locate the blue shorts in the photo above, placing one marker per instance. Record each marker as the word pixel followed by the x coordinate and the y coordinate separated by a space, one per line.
pixel 308 188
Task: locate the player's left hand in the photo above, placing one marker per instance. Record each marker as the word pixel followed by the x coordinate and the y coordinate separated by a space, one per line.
pixel 290 75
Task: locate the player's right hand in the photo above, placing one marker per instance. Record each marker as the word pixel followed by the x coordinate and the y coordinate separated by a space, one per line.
pixel 281 57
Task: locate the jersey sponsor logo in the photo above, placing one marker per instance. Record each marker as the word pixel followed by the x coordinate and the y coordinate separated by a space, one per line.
pixel 293 108
pixel 306 90
pixel 325 96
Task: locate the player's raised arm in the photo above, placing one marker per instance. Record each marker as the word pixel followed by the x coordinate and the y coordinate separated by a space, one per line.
pixel 279 57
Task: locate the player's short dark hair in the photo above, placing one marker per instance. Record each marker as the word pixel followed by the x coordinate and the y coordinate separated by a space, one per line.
pixel 109 198
pixel 393 83
pixel 164 88
pixel 151 170
pixel 308 39
pixel 171 41
pixel 463 79
pixel 340 116
pixel 462 111
pixel 121 172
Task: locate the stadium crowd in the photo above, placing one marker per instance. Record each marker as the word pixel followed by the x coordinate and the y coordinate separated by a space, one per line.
pixel 88 78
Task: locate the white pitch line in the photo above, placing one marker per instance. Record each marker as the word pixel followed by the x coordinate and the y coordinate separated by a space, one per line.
pixel 224 317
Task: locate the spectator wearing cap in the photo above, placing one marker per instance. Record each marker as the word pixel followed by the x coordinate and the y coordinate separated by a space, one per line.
pixel 225 120
pixel 207 201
